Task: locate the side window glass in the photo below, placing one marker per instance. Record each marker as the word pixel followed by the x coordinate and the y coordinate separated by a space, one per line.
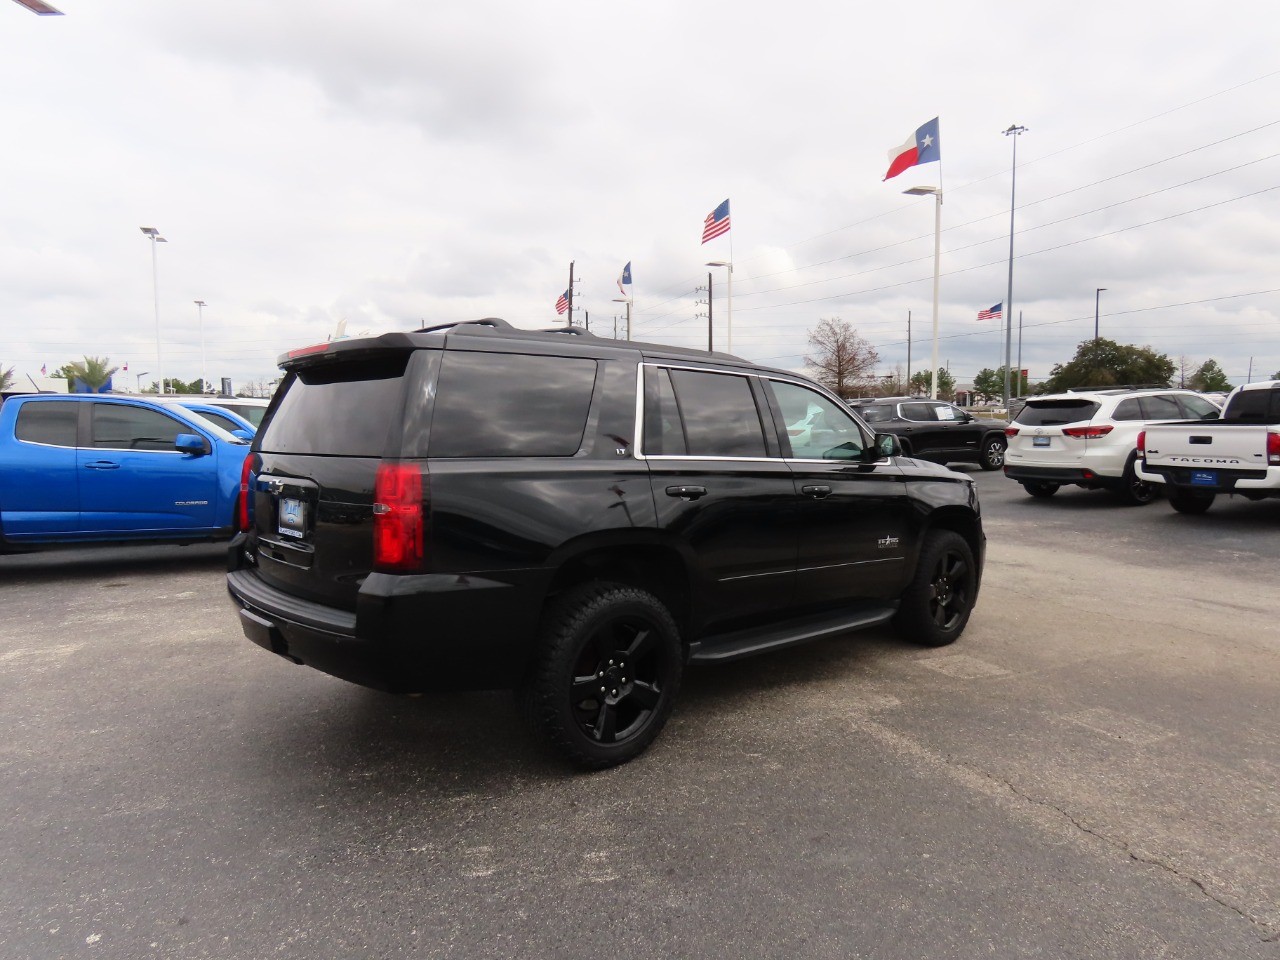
pixel 916 411
pixel 50 422
pixel 663 429
pixel 817 428
pixel 719 414
pixel 1127 410
pixel 946 413
pixel 1160 407
pixel 1197 408
pixel 119 426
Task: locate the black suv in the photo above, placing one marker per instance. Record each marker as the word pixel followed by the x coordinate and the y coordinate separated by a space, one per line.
pixel 936 430
pixel 475 507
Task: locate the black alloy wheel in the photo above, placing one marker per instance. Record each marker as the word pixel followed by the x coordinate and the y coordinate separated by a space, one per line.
pixel 1041 489
pixel 936 605
pixel 1133 490
pixel 992 453
pixel 606 679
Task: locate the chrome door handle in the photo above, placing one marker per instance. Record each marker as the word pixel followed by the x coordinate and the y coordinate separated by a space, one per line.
pixel 818 491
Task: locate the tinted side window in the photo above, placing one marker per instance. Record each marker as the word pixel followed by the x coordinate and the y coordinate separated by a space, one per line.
pixel 875 414
pixel 1197 408
pixel 511 405
pixel 1160 407
pixel 719 414
pixel 226 423
pixel 1257 406
pixel 817 428
pixel 119 426
pixel 342 409
pixel 916 411
pixel 664 431
pixel 1127 410
pixel 947 413
pixel 52 422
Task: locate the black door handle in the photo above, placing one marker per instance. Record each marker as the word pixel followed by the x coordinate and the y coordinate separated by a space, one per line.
pixel 687 492
pixel 818 491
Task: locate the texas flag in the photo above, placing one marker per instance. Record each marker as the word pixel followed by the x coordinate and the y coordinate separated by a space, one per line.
pixel 624 278
pixel 921 148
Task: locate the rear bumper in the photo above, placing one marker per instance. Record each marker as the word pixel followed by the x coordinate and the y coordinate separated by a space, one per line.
pixel 1266 482
pixel 1080 475
pixel 408 633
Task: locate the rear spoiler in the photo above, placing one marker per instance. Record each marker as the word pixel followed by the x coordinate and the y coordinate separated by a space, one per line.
pixel 345 351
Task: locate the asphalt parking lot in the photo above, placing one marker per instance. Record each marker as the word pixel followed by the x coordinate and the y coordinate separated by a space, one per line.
pixel 1092 771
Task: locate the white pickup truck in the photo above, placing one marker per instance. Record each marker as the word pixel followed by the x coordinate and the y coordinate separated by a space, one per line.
pixel 1237 454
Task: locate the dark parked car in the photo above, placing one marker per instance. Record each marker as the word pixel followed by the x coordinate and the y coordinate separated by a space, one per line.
pixel 936 430
pixel 476 506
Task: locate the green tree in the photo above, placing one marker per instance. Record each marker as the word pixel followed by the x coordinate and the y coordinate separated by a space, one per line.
pixel 94 372
pixel 1105 363
pixel 174 385
pixel 1209 377
pixel 922 383
pixel 989 384
pixel 6 377
pixel 841 360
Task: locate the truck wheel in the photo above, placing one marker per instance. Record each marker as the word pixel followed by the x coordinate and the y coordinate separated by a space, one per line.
pixel 937 603
pixel 1190 501
pixel 1133 490
pixel 992 453
pixel 606 674
pixel 1040 488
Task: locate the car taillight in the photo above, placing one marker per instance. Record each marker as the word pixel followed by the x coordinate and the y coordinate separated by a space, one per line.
pixel 1010 431
pixel 243 520
pixel 1142 443
pixel 397 517
pixel 1088 433
pixel 1273 448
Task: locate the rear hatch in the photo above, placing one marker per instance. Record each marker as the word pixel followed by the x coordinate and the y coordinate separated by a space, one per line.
pixel 318 454
pixel 1042 437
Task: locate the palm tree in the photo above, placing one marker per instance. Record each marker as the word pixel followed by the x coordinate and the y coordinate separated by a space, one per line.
pixel 6 377
pixel 94 372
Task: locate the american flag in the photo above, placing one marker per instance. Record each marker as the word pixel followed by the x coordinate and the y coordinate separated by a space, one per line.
pixel 563 303
pixel 717 222
pixel 992 314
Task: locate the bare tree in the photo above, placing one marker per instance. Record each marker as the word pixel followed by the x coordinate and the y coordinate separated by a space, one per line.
pixel 841 359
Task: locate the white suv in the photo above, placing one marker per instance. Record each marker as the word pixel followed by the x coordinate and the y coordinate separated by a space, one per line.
pixel 1089 438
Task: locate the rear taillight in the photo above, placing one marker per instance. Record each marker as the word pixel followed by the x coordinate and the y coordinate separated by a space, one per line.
pixel 1010 431
pixel 397 517
pixel 1273 449
pixel 1088 433
pixel 244 514
pixel 1142 443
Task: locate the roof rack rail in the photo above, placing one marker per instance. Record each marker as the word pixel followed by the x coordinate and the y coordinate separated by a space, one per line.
pixel 570 331
pixel 495 322
pixel 1118 386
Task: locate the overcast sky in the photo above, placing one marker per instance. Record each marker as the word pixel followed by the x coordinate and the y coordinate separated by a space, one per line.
pixel 396 163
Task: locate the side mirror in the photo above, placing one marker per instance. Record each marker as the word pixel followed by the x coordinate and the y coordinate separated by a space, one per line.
pixel 887 445
pixel 191 443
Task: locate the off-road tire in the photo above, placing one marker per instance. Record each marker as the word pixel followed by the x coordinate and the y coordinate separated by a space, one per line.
pixel 1133 490
pixel 1190 501
pixel 611 636
pixel 937 603
pixel 1041 489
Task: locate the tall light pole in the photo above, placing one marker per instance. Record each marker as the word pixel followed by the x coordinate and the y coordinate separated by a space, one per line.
pixel 140 376
pixel 937 256
pixel 728 313
pixel 41 8
pixel 1097 297
pixel 1013 131
pixel 204 382
pixel 153 235
pixel 627 301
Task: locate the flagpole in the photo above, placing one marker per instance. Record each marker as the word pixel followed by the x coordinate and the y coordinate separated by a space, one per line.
pixel 1014 130
pixel 728 319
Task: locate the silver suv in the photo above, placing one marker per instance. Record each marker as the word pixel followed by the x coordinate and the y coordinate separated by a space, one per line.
pixel 1089 438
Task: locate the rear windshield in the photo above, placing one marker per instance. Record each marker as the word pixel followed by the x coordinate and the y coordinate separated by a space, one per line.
pixel 343 409
pixel 1254 406
pixel 1046 413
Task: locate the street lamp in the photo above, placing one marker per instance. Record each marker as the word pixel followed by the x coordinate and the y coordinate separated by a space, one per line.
pixel 937 251
pixel 627 301
pixel 204 382
pixel 1097 297
pixel 728 314
pixel 40 8
pixel 140 376
pixel 153 235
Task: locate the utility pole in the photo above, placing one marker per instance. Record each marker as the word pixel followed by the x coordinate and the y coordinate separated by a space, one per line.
pixel 908 350
pixel 1097 298
pixel 710 308
pixel 586 319
pixel 1020 354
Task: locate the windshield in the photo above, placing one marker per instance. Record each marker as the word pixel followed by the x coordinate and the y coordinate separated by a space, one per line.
pixel 1045 413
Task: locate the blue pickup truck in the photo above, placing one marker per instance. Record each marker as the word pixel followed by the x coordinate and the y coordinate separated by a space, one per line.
pixel 99 468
